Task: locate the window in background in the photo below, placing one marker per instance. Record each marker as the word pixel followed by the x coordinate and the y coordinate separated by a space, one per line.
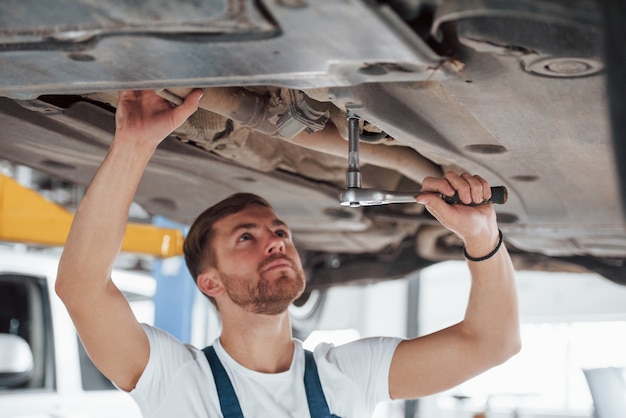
pixel 547 375
pixel 570 322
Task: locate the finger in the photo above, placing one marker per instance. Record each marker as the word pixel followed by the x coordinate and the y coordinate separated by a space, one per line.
pixel 486 187
pixel 125 103
pixel 127 96
pixel 476 187
pixel 437 185
pixel 188 107
pixel 461 186
pixel 435 206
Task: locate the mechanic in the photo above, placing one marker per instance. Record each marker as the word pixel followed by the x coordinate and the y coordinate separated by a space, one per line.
pixel 242 256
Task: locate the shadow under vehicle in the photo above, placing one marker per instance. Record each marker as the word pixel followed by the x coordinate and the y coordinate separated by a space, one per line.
pixel 514 90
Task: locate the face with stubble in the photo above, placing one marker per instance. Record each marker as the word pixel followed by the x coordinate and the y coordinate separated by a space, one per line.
pixel 257 262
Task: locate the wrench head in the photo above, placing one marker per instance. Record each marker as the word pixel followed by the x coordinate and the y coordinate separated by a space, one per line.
pixel 356 196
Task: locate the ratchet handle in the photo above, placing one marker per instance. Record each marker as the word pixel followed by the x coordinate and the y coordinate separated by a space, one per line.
pixel 499 195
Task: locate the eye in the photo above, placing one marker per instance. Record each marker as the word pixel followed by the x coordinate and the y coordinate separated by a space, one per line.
pixel 282 233
pixel 245 237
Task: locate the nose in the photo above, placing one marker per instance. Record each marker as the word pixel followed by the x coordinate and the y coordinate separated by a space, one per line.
pixel 275 245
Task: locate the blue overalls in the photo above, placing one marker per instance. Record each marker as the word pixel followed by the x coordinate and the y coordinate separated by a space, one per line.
pixel 230 404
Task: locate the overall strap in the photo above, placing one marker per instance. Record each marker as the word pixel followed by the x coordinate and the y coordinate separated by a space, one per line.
pixel 225 391
pixel 229 403
pixel 318 407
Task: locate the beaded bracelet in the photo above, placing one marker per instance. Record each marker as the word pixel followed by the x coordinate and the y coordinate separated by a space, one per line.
pixel 488 256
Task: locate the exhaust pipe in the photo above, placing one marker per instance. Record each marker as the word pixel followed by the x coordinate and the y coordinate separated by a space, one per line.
pixel 254 111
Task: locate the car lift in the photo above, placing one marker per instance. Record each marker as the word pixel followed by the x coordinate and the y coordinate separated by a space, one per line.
pixel 27 217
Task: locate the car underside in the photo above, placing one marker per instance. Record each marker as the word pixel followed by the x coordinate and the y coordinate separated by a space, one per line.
pixel 514 91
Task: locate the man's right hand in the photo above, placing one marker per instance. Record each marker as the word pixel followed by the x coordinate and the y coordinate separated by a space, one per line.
pixel 145 117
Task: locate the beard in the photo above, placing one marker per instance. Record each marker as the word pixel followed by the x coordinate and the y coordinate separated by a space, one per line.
pixel 265 296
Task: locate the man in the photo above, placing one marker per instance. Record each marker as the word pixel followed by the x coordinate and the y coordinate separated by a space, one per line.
pixel 242 256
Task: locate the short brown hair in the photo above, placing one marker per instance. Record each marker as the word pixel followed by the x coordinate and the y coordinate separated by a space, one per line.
pixel 197 246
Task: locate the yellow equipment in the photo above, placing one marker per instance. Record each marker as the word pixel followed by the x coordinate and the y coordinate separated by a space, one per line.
pixel 27 217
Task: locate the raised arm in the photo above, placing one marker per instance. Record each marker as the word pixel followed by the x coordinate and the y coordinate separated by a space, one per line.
pixel 489 333
pixel 105 323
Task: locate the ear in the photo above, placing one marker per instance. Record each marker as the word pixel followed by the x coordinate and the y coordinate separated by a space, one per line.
pixel 210 283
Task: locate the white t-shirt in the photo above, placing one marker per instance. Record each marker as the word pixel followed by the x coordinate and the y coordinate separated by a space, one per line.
pixel 178 382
